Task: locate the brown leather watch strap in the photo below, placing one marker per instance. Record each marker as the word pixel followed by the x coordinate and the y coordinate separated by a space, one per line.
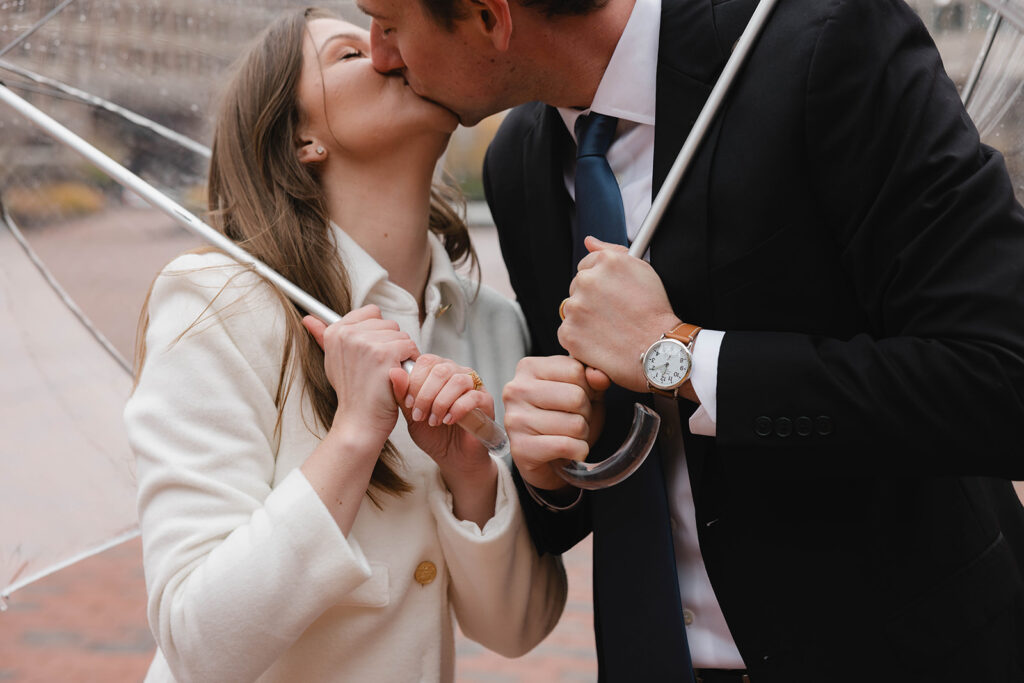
pixel 683 332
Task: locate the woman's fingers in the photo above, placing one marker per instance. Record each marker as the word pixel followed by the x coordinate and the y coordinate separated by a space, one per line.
pixel 367 315
pixel 468 402
pixel 427 393
pixel 440 391
pixel 457 386
pixel 315 327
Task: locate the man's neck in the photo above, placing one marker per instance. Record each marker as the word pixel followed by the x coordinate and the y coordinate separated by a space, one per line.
pixel 567 56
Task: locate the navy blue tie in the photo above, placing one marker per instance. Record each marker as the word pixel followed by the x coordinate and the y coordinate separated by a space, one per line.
pixel 599 212
pixel 599 209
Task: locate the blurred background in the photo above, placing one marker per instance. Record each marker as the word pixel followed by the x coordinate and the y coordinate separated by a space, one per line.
pixel 138 79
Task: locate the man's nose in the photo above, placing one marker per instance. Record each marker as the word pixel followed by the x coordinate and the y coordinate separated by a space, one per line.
pixel 383 52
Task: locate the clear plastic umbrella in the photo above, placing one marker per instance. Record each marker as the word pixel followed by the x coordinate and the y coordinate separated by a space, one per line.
pixel 137 80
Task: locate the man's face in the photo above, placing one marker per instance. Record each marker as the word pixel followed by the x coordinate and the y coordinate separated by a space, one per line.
pixel 454 68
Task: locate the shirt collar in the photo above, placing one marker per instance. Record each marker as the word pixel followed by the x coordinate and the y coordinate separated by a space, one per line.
pixel 444 295
pixel 629 85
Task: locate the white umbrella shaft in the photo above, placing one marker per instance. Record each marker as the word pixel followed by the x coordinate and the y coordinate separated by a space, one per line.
pixel 477 422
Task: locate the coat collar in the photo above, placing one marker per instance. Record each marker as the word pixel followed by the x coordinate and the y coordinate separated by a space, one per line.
pixel 444 294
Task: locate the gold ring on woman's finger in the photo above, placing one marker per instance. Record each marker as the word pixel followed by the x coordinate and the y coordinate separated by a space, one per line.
pixel 477 382
pixel 561 308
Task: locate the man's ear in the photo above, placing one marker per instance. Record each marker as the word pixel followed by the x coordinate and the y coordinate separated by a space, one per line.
pixel 494 18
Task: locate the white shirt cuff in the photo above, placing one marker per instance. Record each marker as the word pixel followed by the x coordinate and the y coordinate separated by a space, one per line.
pixel 705 382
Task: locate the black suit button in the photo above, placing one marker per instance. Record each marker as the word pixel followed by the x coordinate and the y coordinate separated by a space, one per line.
pixel 804 426
pixel 763 426
pixel 825 426
pixel 783 427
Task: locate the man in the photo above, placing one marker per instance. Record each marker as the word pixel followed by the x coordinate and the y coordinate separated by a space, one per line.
pixel 829 500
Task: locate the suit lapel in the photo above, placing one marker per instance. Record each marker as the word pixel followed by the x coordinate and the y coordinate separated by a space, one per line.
pixel 548 211
pixel 689 62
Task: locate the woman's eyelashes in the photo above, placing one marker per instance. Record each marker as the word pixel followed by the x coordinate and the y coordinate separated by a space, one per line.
pixel 351 54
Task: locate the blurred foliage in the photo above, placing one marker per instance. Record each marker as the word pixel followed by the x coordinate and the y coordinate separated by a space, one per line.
pixel 464 159
pixel 45 203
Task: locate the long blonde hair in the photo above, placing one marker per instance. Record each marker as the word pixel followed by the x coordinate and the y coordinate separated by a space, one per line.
pixel 263 198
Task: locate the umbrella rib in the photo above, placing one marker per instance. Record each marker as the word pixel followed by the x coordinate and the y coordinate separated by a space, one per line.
pixel 61 293
pixel 107 105
pixel 35 27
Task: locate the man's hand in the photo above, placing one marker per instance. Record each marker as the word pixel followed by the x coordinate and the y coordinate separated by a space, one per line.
pixel 617 308
pixel 553 410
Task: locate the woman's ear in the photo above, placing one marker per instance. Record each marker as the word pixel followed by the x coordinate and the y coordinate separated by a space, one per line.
pixel 311 151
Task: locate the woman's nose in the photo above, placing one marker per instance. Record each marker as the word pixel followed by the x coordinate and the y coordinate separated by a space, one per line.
pixel 383 52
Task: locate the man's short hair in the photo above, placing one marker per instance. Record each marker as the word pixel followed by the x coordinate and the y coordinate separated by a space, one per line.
pixel 447 12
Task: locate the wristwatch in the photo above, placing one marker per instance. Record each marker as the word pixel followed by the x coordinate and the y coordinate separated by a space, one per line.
pixel 668 362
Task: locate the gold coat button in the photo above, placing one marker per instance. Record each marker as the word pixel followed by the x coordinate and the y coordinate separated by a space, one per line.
pixel 425 573
pixel 688 617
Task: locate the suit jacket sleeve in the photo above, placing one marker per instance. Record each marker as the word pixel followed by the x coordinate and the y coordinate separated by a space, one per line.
pixel 552 532
pixel 933 240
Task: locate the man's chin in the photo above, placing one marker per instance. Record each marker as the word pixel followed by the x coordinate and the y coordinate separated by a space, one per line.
pixel 465 120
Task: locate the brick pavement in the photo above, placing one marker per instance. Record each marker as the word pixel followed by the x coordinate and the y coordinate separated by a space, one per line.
pixel 88 623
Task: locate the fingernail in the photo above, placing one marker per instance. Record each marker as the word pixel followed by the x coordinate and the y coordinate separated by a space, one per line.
pixel 417 415
pixel 447 419
pixel 409 401
pixel 432 421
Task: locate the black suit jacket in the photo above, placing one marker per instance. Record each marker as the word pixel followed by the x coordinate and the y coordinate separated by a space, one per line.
pixel 865 255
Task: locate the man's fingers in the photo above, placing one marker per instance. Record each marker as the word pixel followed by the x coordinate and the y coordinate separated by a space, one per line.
pixel 597 380
pixel 537 451
pixel 561 396
pixel 593 244
pixel 552 368
pixel 536 422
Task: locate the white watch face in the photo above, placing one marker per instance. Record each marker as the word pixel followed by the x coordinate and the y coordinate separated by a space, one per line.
pixel 667 364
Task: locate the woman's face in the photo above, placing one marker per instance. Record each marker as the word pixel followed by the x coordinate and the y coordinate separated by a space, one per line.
pixel 350 109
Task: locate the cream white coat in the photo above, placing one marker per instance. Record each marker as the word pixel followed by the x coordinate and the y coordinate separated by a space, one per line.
pixel 248 575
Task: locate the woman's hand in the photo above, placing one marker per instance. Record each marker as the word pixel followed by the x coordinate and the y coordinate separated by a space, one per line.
pixel 359 352
pixel 434 397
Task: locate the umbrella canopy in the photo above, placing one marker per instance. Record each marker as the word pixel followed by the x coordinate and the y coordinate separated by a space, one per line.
pixel 67 488
pixel 138 80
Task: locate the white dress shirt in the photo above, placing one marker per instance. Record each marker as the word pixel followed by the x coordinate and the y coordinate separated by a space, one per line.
pixel 628 91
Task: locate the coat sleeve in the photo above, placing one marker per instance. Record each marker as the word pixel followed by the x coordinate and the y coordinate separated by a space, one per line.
pixel 506 596
pixel 932 239
pixel 236 568
pixel 504 593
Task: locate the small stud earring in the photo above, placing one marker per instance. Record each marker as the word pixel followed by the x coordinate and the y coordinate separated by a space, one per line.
pixel 321 151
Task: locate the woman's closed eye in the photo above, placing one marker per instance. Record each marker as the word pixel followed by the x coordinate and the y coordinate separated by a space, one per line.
pixel 351 54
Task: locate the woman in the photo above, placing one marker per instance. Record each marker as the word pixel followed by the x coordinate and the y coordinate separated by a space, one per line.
pixel 293 528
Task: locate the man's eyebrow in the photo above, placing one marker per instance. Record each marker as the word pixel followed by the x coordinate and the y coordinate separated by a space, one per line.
pixel 367 11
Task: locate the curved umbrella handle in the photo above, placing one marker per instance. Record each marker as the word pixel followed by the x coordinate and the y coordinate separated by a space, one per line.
pixel 623 462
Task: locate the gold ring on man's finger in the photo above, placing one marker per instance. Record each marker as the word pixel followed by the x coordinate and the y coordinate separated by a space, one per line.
pixel 477 382
pixel 561 308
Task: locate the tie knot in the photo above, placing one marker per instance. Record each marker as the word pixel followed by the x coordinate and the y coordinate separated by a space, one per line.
pixel 594 134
